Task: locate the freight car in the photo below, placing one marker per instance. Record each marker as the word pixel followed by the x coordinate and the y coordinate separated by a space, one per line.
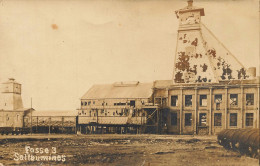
pixel 246 141
pixel 14 130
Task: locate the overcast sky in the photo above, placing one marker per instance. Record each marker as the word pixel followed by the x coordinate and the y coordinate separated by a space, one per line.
pixel 58 49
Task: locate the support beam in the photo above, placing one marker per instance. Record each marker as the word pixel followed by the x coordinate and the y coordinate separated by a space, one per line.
pixel 49 125
pixel 210 111
pixel 242 107
pixel 196 111
pixel 157 111
pixel 226 104
pixel 181 107
pixel 257 107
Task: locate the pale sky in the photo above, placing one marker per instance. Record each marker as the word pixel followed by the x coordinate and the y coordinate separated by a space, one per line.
pixel 58 49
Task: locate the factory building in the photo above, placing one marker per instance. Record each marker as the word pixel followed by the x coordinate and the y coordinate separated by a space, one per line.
pixel 120 107
pixel 210 90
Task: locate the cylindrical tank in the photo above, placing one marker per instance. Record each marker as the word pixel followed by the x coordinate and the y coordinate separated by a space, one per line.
pixel 244 140
pixel 235 138
pixel 228 136
pixel 221 136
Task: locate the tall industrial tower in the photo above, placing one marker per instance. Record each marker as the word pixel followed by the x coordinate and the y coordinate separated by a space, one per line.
pixel 200 57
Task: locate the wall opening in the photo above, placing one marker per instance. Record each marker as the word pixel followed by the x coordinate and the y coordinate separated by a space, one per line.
pixel 188 100
pixel 249 119
pixel 188 119
pixel 174 101
pixel 233 119
pixel 217 119
pixel 174 119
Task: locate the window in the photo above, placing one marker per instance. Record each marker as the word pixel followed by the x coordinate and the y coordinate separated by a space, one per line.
pixel 188 119
pixel 132 103
pixel 17 117
pixel 164 102
pixel 203 119
pixel 82 103
pixel 158 101
pixel 217 119
pixel 93 102
pixel 188 100
pixel 218 100
pixel 249 119
pixel 203 100
pixel 233 119
pixel 249 99
pixel 174 119
pixel 174 101
pixel 89 102
pixel 233 99
pixel 86 103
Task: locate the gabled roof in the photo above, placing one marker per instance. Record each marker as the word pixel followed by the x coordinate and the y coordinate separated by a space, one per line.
pixel 11 80
pixel 119 91
pixel 55 113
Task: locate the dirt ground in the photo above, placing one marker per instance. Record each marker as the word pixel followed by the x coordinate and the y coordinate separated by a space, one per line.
pixel 149 150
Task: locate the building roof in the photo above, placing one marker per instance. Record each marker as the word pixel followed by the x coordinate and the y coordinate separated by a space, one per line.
pixel 189 8
pixel 162 83
pixel 11 80
pixel 119 90
pixel 55 113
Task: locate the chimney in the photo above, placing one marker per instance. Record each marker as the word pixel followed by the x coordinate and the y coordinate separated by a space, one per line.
pixel 190 3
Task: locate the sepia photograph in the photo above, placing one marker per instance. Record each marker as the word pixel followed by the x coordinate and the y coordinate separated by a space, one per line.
pixel 129 82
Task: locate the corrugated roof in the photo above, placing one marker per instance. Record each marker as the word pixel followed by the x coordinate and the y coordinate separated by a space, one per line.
pixel 109 91
pixel 55 113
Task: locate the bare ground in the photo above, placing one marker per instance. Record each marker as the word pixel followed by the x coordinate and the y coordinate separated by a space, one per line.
pixel 124 150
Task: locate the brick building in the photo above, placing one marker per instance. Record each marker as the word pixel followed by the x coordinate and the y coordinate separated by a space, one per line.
pixel 210 90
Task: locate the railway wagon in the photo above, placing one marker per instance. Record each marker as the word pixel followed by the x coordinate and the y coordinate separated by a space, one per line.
pixel 52 121
pixel 246 141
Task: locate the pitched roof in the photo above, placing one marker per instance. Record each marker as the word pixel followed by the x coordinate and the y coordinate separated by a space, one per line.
pixel 119 90
pixel 55 113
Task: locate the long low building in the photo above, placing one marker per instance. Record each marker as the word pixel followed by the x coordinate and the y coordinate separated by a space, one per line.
pixel 119 105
